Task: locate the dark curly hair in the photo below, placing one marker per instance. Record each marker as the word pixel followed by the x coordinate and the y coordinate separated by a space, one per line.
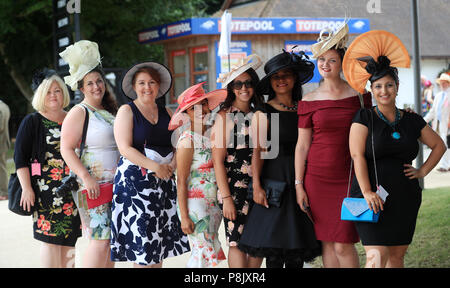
pixel 108 101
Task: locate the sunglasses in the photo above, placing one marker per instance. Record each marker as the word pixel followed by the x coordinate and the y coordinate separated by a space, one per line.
pixel 238 84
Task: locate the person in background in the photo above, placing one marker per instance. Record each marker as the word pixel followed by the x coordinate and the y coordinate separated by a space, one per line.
pixel 439 116
pixel 56 221
pixel 232 154
pixel 196 180
pixel 283 235
pixel 98 161
pixel 427 95
pixel 394 135
pixel 322 157
pixel 5 143
pixel 145 225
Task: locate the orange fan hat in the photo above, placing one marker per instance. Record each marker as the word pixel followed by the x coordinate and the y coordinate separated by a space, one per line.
pixel 372 44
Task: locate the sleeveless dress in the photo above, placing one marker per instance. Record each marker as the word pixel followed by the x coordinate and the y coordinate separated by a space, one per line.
pixel 284 232
pixel 238 166
pixel 328 164
pixel 100 156
pixel 145 225
pixel 56 220
pixel 397 221
pixel 202 204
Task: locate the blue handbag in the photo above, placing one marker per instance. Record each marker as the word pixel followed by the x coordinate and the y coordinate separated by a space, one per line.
pixel 357 209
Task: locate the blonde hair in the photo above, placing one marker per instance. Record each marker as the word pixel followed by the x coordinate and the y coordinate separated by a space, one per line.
pixel 38 102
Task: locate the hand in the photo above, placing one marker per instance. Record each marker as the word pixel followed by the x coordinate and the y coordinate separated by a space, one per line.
pixel 187 225
pixel 164 171
pixel 374 201
pixel 92 187
pixel 413 173
pixel 229 210
pixel 259 196
pixel 302 198
pixel 27 199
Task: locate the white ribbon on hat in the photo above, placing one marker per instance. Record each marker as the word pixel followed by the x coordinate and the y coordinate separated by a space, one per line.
pixel 241 62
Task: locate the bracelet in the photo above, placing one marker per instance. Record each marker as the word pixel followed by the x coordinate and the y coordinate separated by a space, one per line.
pixel 226 197
pixel 298 182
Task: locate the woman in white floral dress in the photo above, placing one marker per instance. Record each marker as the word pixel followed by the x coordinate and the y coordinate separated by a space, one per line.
pixel 198 208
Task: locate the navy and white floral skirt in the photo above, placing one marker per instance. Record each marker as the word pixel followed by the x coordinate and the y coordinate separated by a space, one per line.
pixel 145 227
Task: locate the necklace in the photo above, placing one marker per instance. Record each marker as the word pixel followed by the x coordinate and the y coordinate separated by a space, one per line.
pixel 290 108
pixel 395 135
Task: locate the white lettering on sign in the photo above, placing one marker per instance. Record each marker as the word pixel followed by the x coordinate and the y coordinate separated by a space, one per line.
pixel 148 35
pixel 238 44
pixel 317 25
pixel 247 26
pixel 178 29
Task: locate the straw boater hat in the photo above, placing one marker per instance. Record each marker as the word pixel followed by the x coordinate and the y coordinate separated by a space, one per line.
pixel 371 56
pixel 443 77
pixel 299 64
pixel 164 74
pixel 194 95
pixel 82 56
pixel 325 43
pixel 251 61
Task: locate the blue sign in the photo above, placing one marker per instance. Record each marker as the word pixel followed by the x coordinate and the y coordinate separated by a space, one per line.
pixel 207 26
pixel 238 50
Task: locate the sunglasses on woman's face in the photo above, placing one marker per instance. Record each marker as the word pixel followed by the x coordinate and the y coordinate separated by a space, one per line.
pixel 238 84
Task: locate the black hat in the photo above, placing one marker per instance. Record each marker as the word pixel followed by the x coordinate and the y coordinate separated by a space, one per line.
pixel 379 69
pixel 298 63
pixel 39 76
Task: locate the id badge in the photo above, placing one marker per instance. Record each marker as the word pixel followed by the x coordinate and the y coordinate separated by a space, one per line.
pixel 35 168
pixel 382 193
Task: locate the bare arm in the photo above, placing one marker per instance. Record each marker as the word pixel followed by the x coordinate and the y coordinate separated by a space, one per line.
pixel 437 146
pixel 357 140
pixel 185 152
pixel 123 134
pixel 258 130
pixel 28 195
pixel 71 133
pixel 219 141
pixel 301 154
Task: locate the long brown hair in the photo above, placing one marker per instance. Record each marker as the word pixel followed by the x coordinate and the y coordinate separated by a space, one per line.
pixel 108 100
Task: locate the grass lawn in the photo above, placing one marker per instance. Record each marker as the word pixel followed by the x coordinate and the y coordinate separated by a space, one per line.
pixel 430 247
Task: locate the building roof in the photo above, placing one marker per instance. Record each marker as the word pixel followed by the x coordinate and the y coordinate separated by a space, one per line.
pixel 395 17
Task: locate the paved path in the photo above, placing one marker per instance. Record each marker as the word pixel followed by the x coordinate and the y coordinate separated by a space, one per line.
pixel 19 249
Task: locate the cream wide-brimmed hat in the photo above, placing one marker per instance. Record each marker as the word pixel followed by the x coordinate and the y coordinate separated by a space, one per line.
pixel 443 77
pixel 82 56
pixel 325 43
pixel 164 75
pixel 251 61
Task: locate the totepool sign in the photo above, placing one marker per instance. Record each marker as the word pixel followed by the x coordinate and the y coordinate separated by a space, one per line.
pixel 207 26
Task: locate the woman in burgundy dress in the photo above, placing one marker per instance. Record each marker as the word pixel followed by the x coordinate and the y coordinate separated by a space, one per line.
pixel 322 157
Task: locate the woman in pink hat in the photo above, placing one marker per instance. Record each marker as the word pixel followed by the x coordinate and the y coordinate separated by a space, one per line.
pixel 196 181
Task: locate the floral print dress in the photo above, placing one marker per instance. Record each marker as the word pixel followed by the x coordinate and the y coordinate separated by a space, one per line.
pixel 238 166
pixel 56 220
pixel 204 211
pixel 100 157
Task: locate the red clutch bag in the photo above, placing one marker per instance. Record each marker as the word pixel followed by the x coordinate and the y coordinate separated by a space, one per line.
pixel 106 195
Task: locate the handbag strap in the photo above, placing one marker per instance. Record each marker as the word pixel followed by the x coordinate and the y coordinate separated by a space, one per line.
pixel 83 137
pixel 374 160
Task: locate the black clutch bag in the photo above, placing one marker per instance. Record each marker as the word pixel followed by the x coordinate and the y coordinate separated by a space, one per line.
pixel 274 191
pixel 14 195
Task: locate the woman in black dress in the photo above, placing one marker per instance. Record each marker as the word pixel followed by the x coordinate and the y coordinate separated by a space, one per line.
pixel 283 235
pixel 232 154
pixel 56 222
pixel 395 135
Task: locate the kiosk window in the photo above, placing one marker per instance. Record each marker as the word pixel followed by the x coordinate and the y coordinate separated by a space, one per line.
pixel 199 67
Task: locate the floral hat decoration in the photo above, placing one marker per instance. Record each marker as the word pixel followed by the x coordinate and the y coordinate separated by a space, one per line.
pixel 371 56
pixel 82 56
pixel 194 95
pixel 243 64
pixel 336 39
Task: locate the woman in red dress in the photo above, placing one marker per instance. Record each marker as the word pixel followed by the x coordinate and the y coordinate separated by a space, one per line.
pixel 322 157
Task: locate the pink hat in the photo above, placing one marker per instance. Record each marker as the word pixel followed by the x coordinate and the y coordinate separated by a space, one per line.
pixel 194 95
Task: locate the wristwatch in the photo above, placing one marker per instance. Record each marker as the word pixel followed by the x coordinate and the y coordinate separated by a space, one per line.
pixel 298 182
